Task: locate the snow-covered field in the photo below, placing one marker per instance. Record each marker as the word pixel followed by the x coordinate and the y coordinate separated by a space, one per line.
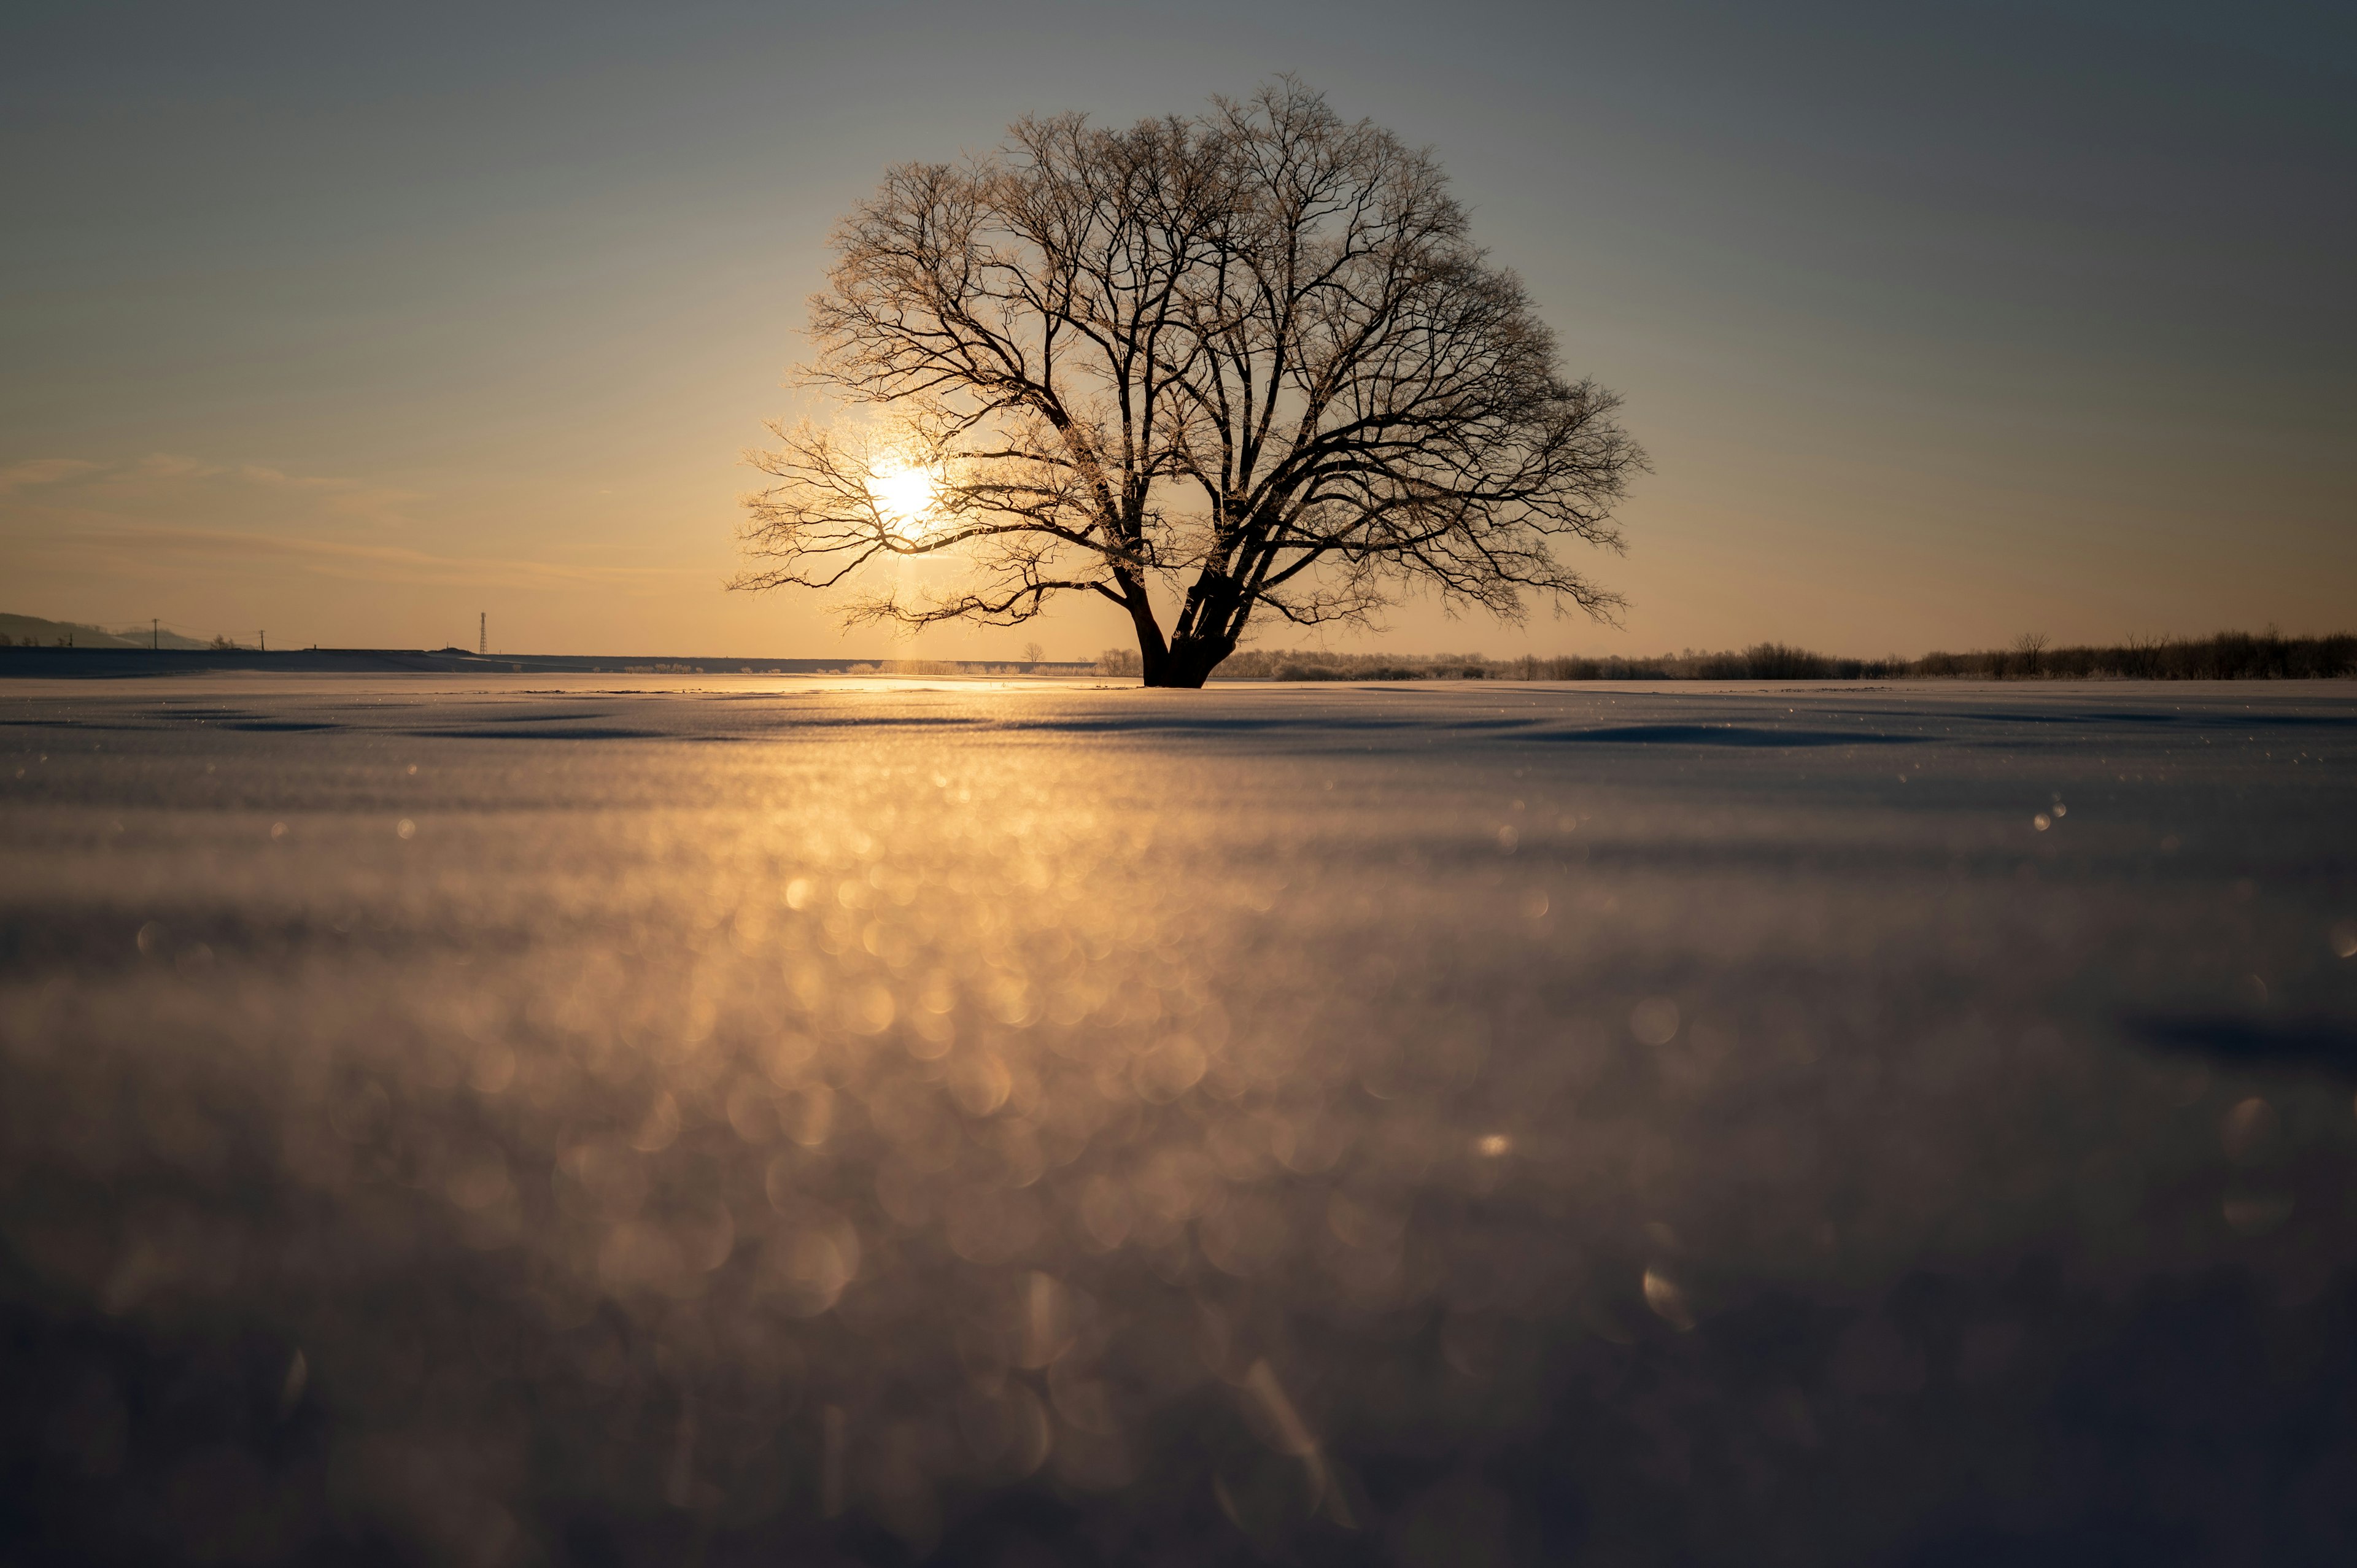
pixel 804 1119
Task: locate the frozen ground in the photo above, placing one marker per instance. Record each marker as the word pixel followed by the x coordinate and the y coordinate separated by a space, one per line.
pixel 793 1121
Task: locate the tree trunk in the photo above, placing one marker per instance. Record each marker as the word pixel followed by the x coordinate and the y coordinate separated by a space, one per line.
pixel 1194 650
pixel 1186 663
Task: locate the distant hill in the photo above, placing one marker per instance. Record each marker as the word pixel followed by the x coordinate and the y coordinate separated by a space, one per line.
pixel 32 631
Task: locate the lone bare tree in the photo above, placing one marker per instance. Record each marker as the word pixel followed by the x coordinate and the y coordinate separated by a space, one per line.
pixel 1249 358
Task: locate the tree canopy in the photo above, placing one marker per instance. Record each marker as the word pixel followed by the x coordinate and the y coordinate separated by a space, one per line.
pixel 1250 359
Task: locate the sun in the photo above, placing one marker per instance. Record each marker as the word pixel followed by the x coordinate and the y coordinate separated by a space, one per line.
pixel 904 493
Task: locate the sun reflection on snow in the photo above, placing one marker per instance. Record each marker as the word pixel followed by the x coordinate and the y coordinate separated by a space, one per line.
pixel 901 1118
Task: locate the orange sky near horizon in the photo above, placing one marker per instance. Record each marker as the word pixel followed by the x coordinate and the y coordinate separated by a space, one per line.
pixel 350 330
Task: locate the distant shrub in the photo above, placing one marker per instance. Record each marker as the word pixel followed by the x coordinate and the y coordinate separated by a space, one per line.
pixel 2228 656
pixel 1719 667
pixel 1120 662
pixel 1261 664
pixel 1776 662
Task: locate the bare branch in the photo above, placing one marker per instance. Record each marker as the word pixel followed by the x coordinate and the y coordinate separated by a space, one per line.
pixel 1252 357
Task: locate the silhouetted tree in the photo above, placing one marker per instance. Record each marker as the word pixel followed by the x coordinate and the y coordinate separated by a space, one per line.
pixel 1250 359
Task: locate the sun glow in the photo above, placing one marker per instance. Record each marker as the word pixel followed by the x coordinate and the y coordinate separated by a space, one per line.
pixel 905 495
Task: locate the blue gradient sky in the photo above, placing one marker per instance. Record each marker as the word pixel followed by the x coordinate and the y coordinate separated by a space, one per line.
pixel 1942 324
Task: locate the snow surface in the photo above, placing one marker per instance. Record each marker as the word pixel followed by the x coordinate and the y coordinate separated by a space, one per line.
pixel 823 1119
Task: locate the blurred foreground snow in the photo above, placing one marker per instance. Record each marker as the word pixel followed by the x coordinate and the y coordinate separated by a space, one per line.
pixel 835 1121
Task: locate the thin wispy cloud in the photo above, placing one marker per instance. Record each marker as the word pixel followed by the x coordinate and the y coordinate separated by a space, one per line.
pixel 382 563
pixel 73 513
pixel 168 477
pixel 354 498
pixel 38 471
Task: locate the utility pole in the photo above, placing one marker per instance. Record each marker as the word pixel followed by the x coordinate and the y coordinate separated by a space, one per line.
pixel 154 633
pixel 482 632
pixel 262 641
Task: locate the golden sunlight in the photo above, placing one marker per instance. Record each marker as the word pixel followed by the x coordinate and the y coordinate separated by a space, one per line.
pixel 904 493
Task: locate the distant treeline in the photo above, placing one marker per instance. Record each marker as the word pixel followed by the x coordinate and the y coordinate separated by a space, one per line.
pixel 2228 656
pixel 32 631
